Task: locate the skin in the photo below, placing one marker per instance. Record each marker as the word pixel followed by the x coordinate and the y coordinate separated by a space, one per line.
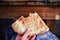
pixel 25 36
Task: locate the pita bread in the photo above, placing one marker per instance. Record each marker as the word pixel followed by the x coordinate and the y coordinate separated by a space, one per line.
pixel 33 22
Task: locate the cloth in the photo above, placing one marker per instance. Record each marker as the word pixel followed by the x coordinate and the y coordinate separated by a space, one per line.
pixel 11 35
pixel 10 32
pixel 47 36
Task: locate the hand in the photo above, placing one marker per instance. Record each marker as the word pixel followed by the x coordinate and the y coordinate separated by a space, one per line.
pixel 25 36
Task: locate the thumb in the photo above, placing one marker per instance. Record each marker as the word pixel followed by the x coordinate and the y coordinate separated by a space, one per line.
pixel 26 34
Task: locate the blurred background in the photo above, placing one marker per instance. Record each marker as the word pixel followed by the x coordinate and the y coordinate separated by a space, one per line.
pixel 49 10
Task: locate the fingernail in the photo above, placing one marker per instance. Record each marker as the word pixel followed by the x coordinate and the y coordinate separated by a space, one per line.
pixel 28 29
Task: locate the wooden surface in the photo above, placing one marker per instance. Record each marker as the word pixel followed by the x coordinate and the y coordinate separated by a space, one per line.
pixel 30 2
pixel 21 0
pixel 46 12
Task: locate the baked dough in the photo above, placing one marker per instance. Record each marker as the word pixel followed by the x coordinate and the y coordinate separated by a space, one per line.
pixel 32 22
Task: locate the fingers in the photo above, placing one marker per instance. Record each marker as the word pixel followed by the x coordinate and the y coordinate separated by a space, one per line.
pixel 18 37
pixel 26 34
pixel 28 38
pixel 33 38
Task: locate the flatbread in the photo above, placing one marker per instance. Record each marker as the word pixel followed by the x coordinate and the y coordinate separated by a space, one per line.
pixel 33 22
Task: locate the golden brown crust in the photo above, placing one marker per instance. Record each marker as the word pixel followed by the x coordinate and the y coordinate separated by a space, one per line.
pixel 33 22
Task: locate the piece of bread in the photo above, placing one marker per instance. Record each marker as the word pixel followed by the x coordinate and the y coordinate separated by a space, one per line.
pixel 33 22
